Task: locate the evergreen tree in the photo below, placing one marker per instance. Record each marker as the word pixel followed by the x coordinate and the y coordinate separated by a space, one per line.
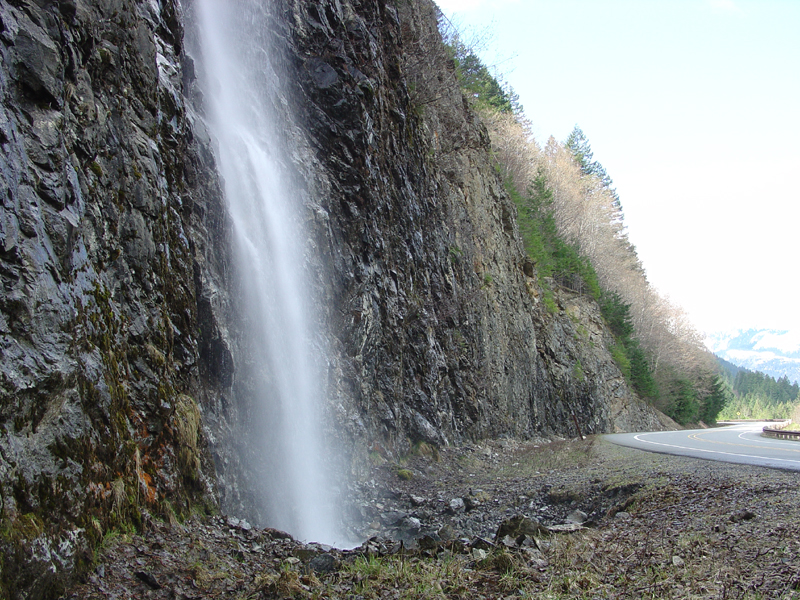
pixel 716 401
pixel 578 144
pixel 636 366
pixel 476 80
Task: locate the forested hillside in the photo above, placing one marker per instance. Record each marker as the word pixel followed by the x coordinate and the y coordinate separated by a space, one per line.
pixel 572 223
pixel 757 395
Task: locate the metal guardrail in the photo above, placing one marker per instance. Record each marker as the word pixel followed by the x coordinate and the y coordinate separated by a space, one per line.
pixel 777 432
pixel 781 435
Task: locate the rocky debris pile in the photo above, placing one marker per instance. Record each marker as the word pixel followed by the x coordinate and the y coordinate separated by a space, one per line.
pixel 448 496
pixel 224 556
pixel 620 522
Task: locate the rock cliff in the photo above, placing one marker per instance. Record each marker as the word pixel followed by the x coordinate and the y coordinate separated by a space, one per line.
pixel 119 344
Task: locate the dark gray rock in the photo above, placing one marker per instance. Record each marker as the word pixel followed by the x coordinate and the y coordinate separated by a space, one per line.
pixel 324 564
pixel 410 526
pixel 38 61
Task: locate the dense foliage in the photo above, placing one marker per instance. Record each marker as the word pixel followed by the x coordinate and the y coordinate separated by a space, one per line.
pixel 634 362
pixel 779 391
pixel 760 396
pixel 553 256
pixel 475 79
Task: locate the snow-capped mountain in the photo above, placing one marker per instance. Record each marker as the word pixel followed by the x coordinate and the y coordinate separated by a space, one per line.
pixel 774 352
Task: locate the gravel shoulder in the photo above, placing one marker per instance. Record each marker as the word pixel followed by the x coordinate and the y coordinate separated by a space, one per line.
pixel 603 521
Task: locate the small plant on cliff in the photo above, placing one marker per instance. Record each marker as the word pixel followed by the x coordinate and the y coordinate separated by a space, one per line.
pixel 403 474
pixel 455 254
pixel 578 373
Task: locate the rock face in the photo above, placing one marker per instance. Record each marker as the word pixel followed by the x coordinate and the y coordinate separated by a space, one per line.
pixel 433 308
pixel 118 336
pixel 106 343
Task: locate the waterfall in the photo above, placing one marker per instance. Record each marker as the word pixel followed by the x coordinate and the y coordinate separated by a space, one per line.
pixel 284 451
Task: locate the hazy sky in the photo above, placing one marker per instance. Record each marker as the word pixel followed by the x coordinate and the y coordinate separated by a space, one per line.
pixel 693 107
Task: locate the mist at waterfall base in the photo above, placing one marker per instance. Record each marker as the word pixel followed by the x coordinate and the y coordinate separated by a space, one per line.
pixel 283 440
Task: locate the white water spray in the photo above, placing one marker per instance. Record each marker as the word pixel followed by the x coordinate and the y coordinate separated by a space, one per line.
pixel 242 89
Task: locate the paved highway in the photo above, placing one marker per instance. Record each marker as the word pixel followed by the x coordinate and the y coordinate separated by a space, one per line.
pixel 741 443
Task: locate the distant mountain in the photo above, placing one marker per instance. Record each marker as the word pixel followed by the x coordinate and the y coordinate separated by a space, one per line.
pixel 774 352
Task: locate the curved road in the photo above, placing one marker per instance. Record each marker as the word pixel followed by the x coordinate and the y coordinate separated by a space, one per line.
pixel 741 443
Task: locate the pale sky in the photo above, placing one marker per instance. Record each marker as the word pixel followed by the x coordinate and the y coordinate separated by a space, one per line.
pixel 693 107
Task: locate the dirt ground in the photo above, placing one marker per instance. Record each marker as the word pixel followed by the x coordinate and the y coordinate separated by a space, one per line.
pixel 581 519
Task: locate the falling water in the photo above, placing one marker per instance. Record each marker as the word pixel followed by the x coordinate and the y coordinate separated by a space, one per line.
pixel 243 92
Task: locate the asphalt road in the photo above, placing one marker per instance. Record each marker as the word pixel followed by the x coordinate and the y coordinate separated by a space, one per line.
pixel 741 443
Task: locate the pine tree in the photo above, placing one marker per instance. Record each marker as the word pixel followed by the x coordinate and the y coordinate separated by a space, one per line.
pixel 578 144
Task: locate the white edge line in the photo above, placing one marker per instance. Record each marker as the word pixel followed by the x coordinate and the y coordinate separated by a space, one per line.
pixel 763 458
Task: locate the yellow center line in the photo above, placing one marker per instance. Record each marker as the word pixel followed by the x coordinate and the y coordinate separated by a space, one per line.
pixel 696 437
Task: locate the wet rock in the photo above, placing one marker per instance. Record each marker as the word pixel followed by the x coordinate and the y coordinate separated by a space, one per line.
pixel 39 62
pixel 323 74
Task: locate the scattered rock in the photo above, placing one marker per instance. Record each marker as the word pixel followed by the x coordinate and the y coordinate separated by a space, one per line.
pixel 481 543
pixel 446 532
pixel 509 542
pixel 577 516
pixel 565 528
pixel 410 525
pixel 426 542
pixel 392 517
pixel 479 554
pixel 678 561
pixel 306 553
pixel 457 505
